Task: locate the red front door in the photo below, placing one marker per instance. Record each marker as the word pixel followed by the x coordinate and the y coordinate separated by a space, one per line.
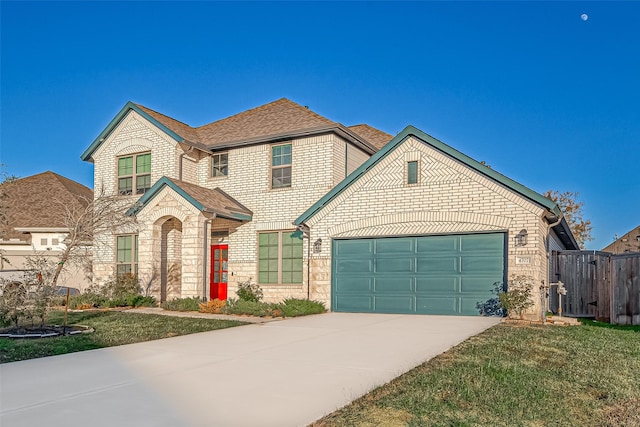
pixel 218 281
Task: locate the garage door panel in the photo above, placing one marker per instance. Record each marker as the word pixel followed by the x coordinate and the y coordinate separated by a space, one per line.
pixel 394 265
pixel 359 304
pixel 394 304
pixel 468 305
pixel 438 265
pixel 435 305
pixel 477 264
pixel 354 285
pixel 437 244
pixel 437 284
pixel 354 266
pixel 391 284
pixel 482 285
pixel 396 247
pixel 482 243
pixel 354 247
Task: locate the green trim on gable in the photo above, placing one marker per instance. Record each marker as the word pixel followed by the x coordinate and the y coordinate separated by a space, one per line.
pixel 164 181
pixel 440 146
pixel 155 189
pixel 86 155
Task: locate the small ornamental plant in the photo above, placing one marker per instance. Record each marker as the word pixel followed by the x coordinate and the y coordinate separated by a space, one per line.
pixel 213 306
pixel 517 298
pixel 248 291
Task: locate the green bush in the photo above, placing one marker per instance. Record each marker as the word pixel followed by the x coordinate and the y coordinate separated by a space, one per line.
pixel 87 299
pixel 292 307
pixel 248 291
pixel 251 308
pixel 182 304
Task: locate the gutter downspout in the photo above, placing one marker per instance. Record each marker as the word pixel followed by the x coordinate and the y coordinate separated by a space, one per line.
pixel 545 307
pixel 205 258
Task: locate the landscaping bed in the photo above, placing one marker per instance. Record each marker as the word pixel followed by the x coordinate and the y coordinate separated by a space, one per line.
pixel 510 375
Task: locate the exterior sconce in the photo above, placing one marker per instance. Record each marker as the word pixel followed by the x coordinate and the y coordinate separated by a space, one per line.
pixel 317 246
pixel 521 238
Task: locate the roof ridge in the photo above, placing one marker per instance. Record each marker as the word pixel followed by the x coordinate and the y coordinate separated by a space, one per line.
pixel 265 107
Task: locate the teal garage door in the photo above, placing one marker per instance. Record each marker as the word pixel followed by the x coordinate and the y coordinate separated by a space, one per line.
pixel 424 275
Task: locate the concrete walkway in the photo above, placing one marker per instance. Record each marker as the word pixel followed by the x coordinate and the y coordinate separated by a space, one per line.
pixel 284 373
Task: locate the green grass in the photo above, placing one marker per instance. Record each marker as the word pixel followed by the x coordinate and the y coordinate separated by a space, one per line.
pixel 111 328
pixel 514 376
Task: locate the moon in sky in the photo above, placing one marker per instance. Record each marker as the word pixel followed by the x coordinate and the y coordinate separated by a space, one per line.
pixel 584 16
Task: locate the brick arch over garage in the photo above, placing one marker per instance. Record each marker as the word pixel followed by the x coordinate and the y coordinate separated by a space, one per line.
pixel 420 222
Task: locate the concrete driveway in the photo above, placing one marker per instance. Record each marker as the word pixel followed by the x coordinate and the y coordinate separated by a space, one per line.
pixel 282 373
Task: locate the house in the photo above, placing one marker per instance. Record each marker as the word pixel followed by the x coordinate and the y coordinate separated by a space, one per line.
pixel 630 242
pixel 34 210
pixel 310 208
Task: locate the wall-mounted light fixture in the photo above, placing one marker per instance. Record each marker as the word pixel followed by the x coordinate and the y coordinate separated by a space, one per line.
pixel 521 238
pixel 317 246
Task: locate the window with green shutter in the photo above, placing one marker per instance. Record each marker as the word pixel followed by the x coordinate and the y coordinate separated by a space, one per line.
pixel 280 257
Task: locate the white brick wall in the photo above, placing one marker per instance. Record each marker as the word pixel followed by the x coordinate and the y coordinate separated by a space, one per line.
pixel 449 198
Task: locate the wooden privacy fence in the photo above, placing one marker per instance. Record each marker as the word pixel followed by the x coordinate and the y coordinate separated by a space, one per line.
pixel 599 284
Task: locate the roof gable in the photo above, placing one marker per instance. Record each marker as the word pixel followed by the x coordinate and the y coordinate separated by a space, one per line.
pixel 442 147
pixel 129 106
pixel 204 199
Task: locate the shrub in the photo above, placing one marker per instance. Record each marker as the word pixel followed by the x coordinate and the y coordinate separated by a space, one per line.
pixel 120 287
pixel 181 304
pixel 12 303
pixel 517 298
pixel 252 308
pixel 213 306
pixel 87 299
pixel 292 307
pixel 248 291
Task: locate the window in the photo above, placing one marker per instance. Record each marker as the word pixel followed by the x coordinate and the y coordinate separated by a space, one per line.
pixel 44 242
pixel 219 165
pixel 54 242
pixel 127 254
pixel 134 169
pixel 412 172
pixel 281 166
pixel 280 257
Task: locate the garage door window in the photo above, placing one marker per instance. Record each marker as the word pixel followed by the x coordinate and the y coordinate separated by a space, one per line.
pixel 280 257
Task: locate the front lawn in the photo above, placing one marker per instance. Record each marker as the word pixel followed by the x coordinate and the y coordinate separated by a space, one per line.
pixel 514 376
pixel 111 328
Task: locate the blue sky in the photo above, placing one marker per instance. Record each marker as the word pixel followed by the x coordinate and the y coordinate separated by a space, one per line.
pixel 542 95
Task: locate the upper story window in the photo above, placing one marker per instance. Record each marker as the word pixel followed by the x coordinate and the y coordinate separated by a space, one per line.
pixel 219 165
pixel 134 174
pixel 281 166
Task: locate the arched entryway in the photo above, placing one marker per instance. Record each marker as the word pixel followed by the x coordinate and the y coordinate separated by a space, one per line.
pixel 170 258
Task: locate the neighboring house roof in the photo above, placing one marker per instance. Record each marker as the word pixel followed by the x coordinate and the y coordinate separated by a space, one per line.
pixel 630 242
pixel 204 199
pixel 376 137
pixel 40 202
pixel 562 228
pixel 274 121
